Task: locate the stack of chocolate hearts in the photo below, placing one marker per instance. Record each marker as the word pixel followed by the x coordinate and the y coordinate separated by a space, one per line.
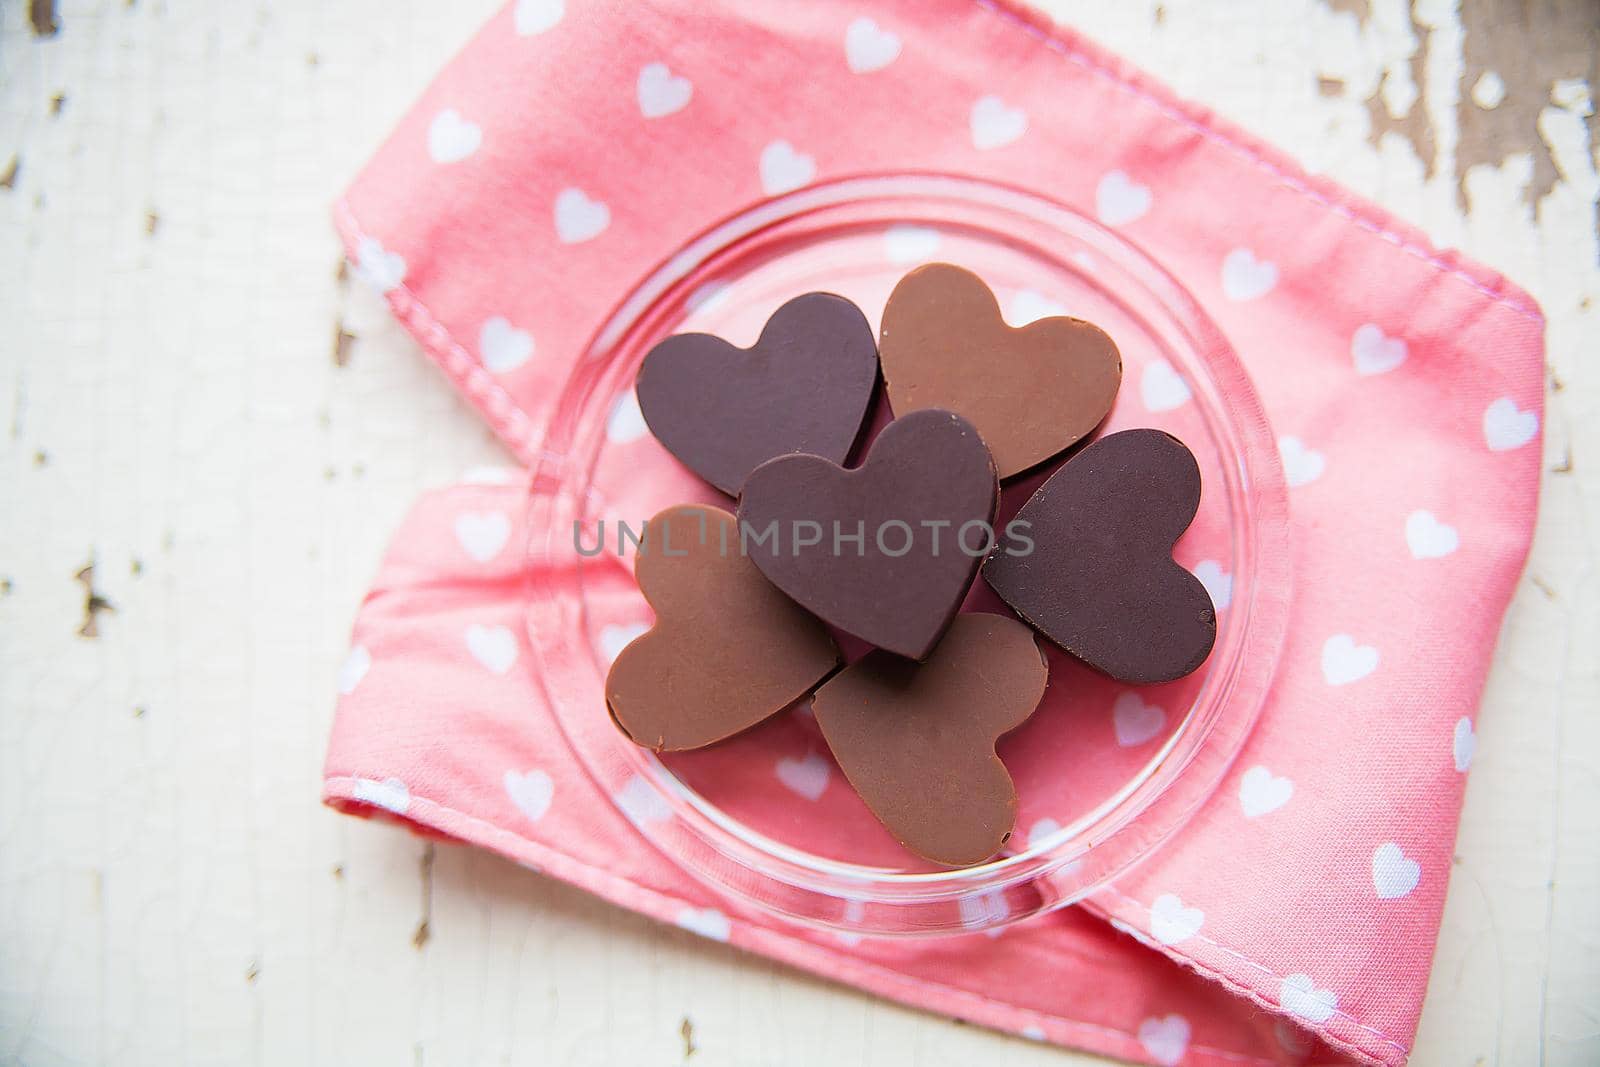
pixel 887 550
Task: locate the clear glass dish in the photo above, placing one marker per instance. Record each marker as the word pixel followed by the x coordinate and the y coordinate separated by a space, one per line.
pixel 1105 773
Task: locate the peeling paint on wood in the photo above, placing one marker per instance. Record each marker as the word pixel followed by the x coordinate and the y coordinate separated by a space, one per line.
pixel 1411 124
pixel 1361 9
pixel 42 17
pixel 343 339
pixel 1529 47
pixel 94 604
pixel 686 1031
pixel 419 938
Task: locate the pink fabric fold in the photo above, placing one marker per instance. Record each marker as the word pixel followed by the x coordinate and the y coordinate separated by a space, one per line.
pixel 555 163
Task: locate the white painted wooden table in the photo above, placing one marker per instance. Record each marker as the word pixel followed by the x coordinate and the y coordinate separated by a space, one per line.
pixel 174 417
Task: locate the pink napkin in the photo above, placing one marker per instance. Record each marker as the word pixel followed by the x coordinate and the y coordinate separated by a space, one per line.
pixel 566 153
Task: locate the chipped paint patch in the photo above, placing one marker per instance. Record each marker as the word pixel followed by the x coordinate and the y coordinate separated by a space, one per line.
pixel 1398 105
pixel 42 17
pixel 94 604
pixel 1488 91
pixel 1531 50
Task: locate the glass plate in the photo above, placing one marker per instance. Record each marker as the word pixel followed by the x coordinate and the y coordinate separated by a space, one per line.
pixel 1105 773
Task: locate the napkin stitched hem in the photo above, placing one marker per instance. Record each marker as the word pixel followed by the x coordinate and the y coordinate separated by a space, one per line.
pixel 505 416
pixel 1235 986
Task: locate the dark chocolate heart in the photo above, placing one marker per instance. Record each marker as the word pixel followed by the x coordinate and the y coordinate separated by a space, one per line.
pixel 805 386
pixel 1032 391
pixel 1099 579
pixel 916 740
pixel 727 649
pixel 895 542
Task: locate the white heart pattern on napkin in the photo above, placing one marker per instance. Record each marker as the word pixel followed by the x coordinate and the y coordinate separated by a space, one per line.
pixel 807 777
pixel 482 534
pixel 908 243
pixel 495 647
pixel 378 267
pixel 1344 661
pixel 660 92
pixel 1166 1038
pixel 1135 721
pixel 615 638
pixel 869 47
pixel 537 16
pixel 708 297
pixel 1373 352
pixel 1171 922
pixel 1392 874
pixel 983 909
pixel 1041 832
pixel 531 791
pixel 1261 792
pixel 1299 995
pixel 707 922
pixel 1428 538
pixel 502 346
pixel 854 911
pixel 579 218
pixel 1244 277
pixel 1218 582
pixel 1029 305
pixel 783 169
pixel 1162 388
pixel 1505 426
pixel 390 794
pixel 641 804
pixel 1464 745
pixel 354 669
pixel 626 422
pixel 1119 200
pixel 452 138
pixel 995 124
pixel 1301 465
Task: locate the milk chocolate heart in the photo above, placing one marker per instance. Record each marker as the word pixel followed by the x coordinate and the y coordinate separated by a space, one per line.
pixel 916 740
pixel 727 649
pixel 1099 579
pixel 1032 391
pixel 885 551
pixel 804 386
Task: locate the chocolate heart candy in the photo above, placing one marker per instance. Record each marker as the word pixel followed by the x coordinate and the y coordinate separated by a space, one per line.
pixel 885 551
pixel 804 386
pixel 916 740
pixel 1099 579
pixel 1032 391
pixel 727 649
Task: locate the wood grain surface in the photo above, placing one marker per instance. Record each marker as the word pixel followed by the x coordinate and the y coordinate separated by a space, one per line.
pixel 206 436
